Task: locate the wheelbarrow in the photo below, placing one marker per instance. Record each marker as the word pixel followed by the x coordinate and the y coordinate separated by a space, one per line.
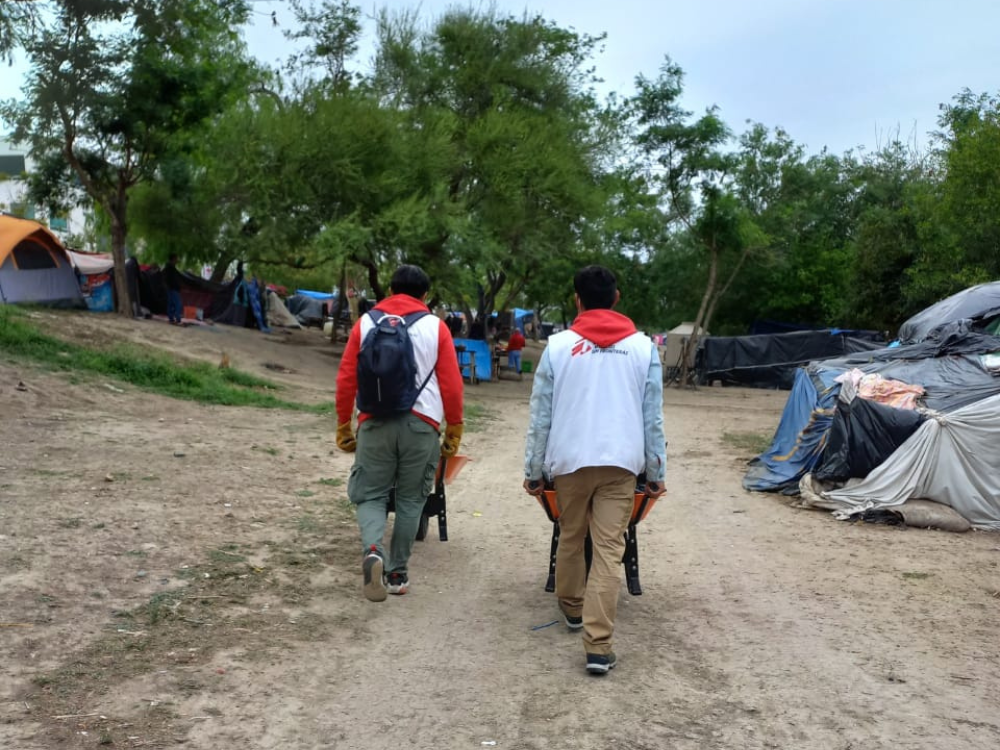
pixel 436 504
pixel 641 507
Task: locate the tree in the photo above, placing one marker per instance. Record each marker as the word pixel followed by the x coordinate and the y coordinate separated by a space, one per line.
pixel 512 97
pixel 110 82
pixel 694 181
pixel 17 20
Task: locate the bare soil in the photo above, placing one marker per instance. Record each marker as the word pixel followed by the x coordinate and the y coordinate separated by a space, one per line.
pixel 179 575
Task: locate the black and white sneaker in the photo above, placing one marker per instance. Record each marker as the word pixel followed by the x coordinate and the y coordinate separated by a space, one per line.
pixel 601 664
pixel 373 569
pixel 573 623
pixel 399 582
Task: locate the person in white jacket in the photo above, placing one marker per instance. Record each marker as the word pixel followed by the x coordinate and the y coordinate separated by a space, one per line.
pixel 596 424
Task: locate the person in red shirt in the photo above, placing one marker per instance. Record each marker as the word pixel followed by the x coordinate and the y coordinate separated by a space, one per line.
pixel 514 346
pixel 400 450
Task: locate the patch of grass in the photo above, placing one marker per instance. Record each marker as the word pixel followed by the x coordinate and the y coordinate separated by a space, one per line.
pixel 144 368
pixel 335 482
pixel 268 450
pixel 225 557
pixel 305 493
pixel 161 606
pixel 136 553
pixel 913 575
pixel 151 478
pixel 748 442
pixel 307 524
pixel 477 417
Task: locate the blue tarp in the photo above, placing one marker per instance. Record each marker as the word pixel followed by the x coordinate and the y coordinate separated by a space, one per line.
pixel 801 436
pixel 521 316
pixel 322 296
pixel 484 363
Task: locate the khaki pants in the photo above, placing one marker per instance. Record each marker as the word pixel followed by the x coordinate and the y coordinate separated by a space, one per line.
pixel 598 499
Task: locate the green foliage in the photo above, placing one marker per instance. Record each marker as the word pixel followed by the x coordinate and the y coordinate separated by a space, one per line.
pixel 142 368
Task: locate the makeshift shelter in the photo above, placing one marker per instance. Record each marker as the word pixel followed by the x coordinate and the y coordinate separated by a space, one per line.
pixel 771 360
pixel 306 309
pixel 278 314
pixel 95 273
pixel 673 347
pixel 521 317
pixel 34 266
pixel 977 304
pixel 236 303
pixel 886 428
pixel 952 459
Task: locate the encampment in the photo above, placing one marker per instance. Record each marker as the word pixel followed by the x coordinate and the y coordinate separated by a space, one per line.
pixel 875 430
pixel 34 266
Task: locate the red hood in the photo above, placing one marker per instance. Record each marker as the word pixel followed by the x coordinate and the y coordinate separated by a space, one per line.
pixel 603 327
pixel 401 304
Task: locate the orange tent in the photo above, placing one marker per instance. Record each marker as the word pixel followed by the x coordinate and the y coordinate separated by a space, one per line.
pixel 34 265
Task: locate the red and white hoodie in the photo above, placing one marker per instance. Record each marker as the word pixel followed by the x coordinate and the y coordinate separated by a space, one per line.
pixel 433 349
pixel 599 373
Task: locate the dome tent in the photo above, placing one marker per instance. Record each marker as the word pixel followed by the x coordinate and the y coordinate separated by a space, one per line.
pixel 34 266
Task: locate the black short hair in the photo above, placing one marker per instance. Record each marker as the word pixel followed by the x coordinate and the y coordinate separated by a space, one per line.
pixel 596 286
pixel 410 280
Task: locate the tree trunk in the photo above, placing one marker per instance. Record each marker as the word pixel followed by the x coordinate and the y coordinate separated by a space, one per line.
pixel 373 281
pixel 725 288
pixel 691 345
pixel 119 231
pixel 338 309
pixel 222 264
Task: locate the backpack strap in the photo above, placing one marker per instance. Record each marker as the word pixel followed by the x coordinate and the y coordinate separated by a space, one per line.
pixel 409 320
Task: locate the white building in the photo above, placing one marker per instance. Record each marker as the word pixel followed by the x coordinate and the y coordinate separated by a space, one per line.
pixel 15 164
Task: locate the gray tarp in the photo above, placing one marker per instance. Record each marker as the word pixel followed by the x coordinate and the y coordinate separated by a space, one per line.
pixel 952 459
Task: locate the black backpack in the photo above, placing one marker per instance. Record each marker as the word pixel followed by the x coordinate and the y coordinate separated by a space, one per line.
pixel 387 367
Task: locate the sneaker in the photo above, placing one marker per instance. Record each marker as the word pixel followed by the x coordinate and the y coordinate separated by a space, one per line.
pixel 373 567
pixel 573 623
pixel 601 664
pixel 398 582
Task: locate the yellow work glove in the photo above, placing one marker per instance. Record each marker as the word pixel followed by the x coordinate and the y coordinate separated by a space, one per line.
pixel 345 438
pixel 452 439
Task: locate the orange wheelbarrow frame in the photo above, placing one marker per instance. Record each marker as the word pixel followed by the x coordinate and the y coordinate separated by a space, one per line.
pixel 437 503
pixel 641 507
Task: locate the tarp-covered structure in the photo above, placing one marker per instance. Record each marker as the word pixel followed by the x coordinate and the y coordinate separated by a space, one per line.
pixel 240 302
pixel 95 273
pixel 977 304
pixel 879 429
pixel 770 360
pixel 34 266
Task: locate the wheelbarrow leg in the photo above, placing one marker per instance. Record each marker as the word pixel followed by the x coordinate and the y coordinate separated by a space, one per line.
pixel 550 582
pixel 631 561
pixel 443 520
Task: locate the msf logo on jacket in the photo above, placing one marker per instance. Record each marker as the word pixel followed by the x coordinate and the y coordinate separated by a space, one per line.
pixel 581 347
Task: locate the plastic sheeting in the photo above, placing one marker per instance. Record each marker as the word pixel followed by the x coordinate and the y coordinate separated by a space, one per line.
pixel 277 313
pixel 952 459
pixel 949 382
pixel 770 361
pixel 801 436
pixel 978 302
pixel 307 310
pixel 862 436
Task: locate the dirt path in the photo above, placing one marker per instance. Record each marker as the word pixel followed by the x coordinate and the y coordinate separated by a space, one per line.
pixel 211 599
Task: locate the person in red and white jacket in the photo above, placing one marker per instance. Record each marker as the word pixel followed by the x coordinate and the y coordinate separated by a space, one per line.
pixel 399 451
pixel 596 424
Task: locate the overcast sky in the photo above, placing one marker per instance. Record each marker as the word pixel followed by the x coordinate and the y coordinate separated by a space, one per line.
pixel 834 73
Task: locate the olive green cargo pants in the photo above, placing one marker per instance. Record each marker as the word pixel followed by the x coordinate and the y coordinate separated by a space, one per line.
pixel 393 451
